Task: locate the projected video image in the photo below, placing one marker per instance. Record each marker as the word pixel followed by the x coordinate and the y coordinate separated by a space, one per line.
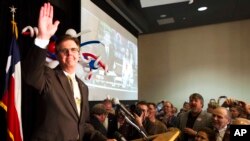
pixel 120 56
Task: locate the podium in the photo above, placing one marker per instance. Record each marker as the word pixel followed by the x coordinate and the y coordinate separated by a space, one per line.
pixel 170 135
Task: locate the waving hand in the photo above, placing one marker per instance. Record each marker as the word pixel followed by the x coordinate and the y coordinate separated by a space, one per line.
pixel 46 27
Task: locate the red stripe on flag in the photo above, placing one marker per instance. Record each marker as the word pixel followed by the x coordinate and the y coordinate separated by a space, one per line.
pixel 11 100
pixel 12 116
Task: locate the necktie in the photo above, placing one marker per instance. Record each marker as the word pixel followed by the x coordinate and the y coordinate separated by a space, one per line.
pixel 217 135
pixel 76 92
pixel 70 83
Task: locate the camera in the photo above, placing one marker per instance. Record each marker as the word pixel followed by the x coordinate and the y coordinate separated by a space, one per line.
pixel 160 106
pixel 236 102
pixel 135 110
pixel 138 111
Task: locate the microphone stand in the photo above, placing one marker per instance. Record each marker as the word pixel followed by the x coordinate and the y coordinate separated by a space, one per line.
pixel 145 137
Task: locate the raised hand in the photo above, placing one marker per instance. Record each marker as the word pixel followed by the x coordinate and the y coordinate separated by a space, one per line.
pixel 139 119
pixel 189 131
pixel 46 27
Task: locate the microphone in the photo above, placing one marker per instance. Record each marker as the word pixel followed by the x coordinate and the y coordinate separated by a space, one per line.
pixel 117 102
pixel 126 113
pixel 119 136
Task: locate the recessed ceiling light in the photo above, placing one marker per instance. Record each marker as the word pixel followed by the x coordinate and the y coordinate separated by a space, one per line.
pixel 163 16
pixel 165 21
pixel 202 8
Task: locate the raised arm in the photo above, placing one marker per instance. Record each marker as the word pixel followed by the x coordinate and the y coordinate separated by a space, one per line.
pixel 46 27
pixel 34 63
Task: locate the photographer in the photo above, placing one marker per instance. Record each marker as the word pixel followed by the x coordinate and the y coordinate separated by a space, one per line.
pixel 155 125
pixel 140 112
pixel 244 108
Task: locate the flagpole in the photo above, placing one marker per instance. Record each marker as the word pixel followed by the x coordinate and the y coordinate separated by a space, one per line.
pixel 12 97
pixel 14 25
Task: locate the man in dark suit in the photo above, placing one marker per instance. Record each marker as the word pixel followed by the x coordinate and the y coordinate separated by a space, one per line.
pixel 110 123
pixel 221 121
pixel 64 110
pixel 98 114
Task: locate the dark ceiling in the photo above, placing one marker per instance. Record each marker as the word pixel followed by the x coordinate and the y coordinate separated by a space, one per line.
pixel 138 20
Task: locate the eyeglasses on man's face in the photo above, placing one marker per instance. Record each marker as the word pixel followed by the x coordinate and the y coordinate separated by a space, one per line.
pixel 67 50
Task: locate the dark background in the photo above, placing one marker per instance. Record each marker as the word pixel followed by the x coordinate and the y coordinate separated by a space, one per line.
pixel 185 15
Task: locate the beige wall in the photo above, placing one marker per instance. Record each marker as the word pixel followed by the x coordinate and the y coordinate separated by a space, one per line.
pixel 213 60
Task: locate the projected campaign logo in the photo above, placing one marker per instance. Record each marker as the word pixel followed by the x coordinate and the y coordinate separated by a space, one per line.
pixel 117 52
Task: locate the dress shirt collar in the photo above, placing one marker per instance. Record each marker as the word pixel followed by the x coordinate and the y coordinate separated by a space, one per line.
pixel 72 76
pixel 223 129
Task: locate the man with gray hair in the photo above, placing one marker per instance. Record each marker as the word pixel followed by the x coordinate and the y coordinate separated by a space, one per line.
pixel 221 119
pixel 98 114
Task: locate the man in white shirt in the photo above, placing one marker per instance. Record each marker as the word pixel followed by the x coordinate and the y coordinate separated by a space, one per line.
pixel 220 120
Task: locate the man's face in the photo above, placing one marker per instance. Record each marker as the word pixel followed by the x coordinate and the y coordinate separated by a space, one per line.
pixel 108 105
pixel 234 111
pixel 68 54
pixel 220 118
pixel 186 106
pixel 151 111
pixel 247 107
pixel 144 109
pixel 195 105
pixel 167 108
pixel 102 117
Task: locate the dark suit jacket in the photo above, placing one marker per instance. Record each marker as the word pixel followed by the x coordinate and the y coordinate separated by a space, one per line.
pixel 98 125
pixel 112 125
pixel 58 119
pixel 203 120
pixel 227 134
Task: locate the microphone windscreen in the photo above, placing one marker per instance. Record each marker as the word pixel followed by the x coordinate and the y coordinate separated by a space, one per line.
pixel 116 101
pixel 119 136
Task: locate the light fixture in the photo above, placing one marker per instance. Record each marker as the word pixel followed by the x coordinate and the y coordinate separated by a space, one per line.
pixel 202 8
pixel 163 16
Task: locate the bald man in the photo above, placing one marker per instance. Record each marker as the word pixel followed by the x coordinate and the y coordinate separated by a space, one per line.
pixel 220 120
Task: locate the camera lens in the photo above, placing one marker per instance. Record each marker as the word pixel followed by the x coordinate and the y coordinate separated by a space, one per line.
pixel 138 111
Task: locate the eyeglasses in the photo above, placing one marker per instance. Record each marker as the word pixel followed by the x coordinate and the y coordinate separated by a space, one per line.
pixel 66 50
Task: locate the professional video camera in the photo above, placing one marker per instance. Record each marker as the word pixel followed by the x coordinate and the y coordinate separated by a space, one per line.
pixel 227 103
pixel 213 103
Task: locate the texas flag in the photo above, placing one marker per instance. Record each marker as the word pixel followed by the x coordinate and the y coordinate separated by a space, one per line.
pixel 11 99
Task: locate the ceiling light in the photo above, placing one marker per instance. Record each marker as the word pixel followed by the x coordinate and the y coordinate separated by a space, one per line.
pixel 202 8
pixel 163 16
pixel 150 3
pixel 165 21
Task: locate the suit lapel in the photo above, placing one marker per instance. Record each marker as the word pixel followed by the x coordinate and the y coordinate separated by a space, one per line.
pixel 67 89
pixel 81 86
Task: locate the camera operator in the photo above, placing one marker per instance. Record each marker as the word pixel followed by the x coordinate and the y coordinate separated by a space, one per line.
pixel 245 108
pixel 140 112
pixel 230 102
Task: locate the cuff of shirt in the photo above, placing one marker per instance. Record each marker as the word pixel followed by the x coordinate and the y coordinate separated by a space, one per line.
pixel 41 43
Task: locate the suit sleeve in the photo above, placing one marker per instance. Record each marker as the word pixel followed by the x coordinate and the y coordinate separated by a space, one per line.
pixel 93 135
pixel 35 67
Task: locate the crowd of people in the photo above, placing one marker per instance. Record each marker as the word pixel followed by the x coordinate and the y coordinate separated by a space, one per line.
pixel 193 122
